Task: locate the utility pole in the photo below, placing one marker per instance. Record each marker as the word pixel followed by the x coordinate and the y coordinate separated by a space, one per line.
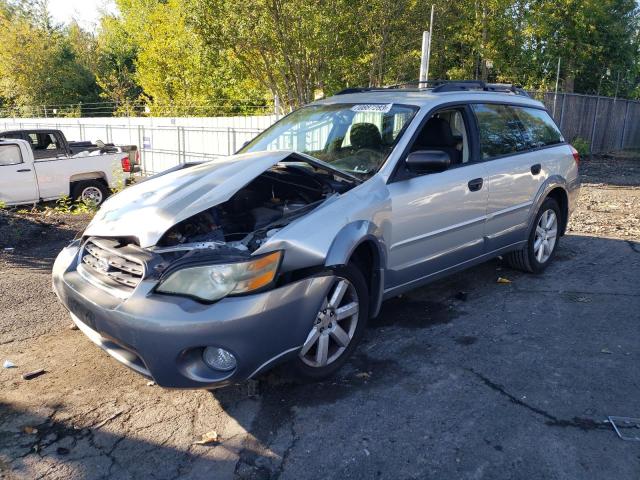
pixel 426 50
pixel 424 57
pixel 555 97
pixel 615 96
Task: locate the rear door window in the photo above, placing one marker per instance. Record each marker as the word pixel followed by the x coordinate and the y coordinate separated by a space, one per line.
pixel 45 145
pixel 538 128
pixel 499 130
pixel 10 155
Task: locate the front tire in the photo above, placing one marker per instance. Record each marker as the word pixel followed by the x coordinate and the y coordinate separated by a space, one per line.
pixel 338 326
pixel 543 240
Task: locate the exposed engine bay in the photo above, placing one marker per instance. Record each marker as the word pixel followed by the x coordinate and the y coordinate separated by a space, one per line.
pixel 286 191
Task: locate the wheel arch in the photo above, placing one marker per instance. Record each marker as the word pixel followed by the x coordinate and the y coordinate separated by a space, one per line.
pixel 562 199
pixel 555 187
pixel 357 242
pixel 82 177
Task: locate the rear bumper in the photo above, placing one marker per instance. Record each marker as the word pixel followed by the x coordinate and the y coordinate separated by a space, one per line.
pixel 162 337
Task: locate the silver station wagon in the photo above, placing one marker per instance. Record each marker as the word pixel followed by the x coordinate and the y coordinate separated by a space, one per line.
pixel 210 274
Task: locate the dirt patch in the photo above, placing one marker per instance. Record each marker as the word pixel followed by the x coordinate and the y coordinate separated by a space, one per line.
pixel 21 232
pixel 609 203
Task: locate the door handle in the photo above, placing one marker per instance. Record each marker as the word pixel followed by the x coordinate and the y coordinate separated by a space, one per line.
pixel 475 184
pixel 24 170
pixel 535 169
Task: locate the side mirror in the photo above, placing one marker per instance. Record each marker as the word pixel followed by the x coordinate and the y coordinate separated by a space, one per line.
pixel 428 161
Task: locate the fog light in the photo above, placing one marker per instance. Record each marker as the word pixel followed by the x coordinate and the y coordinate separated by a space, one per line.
pixel 219 359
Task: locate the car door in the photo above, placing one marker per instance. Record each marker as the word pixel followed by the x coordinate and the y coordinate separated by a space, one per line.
pixel 515 167
pixel 17 178
pixel 437 219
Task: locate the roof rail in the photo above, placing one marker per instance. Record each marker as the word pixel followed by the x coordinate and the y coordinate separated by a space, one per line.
pixel 463 85
pixel 354 90
pixel 439 86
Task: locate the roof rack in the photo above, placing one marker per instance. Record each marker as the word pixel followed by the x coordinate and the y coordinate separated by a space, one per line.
pixel 440 86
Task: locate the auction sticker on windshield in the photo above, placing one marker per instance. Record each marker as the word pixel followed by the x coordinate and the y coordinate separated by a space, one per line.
pixel 372 107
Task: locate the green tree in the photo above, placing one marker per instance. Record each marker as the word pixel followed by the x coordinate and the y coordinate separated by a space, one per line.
pixel 42 64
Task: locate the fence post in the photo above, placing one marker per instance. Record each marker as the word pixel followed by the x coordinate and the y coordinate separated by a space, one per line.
pixel 184 147
pixel 140 149
pixel 229 152
pixel 179 154
pixel 624 124
pixel 564 97
pixel 593 127
pixel 233 140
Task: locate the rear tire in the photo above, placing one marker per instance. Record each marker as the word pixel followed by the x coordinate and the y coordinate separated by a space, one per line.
pixel 543 240
pixel 337 328
pixel 90 192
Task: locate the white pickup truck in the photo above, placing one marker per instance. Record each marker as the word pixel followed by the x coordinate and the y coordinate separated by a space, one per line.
pixel 86 176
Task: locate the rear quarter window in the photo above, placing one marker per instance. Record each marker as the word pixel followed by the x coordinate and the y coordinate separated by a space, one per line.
pixel 538 128
pixel 499 130
pixel 10 155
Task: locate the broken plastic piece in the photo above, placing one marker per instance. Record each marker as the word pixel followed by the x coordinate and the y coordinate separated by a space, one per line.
pixel 623 423
pixel 503 280
pixel 8 364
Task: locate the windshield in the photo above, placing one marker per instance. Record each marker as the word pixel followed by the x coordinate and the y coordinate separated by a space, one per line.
pixel 354 138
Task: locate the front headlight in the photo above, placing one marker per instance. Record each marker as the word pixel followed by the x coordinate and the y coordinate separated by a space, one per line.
pixel 212 282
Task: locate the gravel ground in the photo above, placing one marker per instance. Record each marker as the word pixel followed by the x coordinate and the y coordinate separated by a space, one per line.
pixel 610 198
pixel 466 378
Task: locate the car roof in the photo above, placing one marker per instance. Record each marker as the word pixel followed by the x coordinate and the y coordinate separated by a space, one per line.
pixel 426 97
pixel 30 130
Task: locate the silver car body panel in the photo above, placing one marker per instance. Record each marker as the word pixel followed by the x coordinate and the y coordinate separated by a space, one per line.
pixel 420 228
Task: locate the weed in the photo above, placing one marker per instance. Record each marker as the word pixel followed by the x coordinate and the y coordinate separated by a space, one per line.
pixel 583 147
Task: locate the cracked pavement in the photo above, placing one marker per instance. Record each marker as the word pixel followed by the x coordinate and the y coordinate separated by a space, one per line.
pixel 464 379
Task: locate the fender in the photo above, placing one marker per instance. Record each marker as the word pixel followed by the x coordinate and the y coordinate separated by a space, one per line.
pixel 350 237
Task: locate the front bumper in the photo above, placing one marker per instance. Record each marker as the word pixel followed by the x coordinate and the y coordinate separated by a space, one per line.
pixel 162 337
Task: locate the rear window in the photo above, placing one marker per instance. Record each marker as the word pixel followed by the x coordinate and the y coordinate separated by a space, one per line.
pixel 538 128
pixel 499 130
pixel 10 155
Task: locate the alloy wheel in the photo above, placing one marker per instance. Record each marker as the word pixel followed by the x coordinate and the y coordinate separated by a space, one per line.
pixel 546 235
pixel 91 195
pixel 334 326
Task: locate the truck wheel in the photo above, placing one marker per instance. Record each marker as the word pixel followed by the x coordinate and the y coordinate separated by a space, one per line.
pixel 92 192
pixel 338 326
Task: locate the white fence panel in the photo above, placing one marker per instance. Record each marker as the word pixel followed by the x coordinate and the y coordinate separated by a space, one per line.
pixel 163 142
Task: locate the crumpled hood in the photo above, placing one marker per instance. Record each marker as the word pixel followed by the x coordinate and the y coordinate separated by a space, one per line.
pixel 148 209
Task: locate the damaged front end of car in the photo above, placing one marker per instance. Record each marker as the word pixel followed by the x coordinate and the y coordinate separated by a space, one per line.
pixel 210 255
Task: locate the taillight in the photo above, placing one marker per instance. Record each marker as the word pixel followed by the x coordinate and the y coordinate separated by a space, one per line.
pixel 126 165
pixel 576 155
